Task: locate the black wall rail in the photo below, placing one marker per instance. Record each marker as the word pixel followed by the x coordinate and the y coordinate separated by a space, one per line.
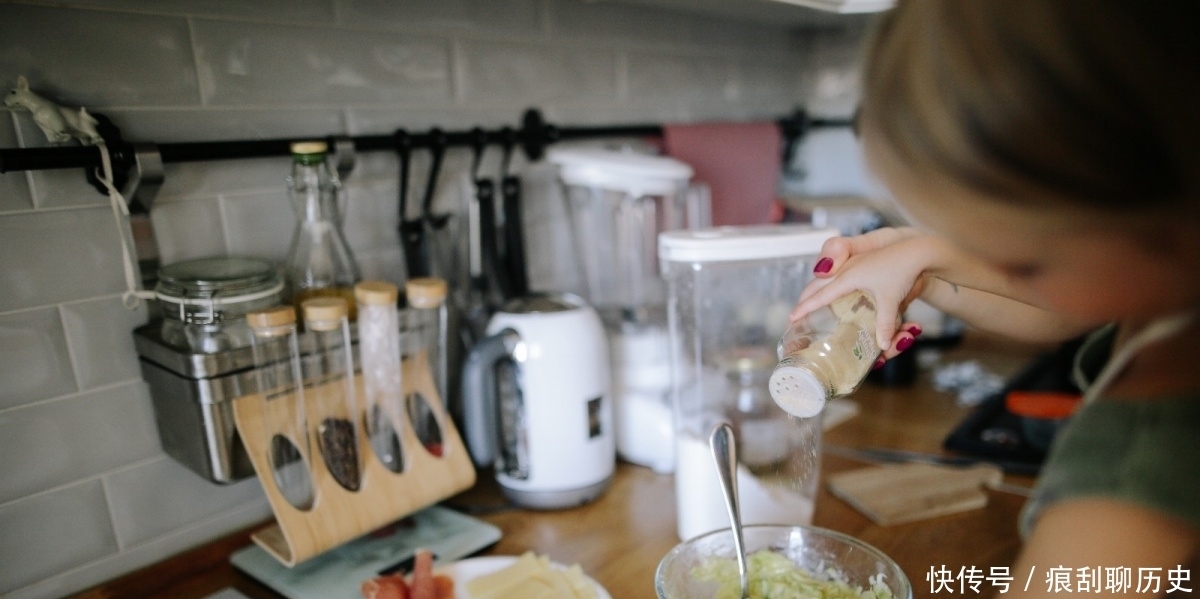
pixel 533 135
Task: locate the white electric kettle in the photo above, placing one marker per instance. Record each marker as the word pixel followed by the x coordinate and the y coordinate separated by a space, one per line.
pixel 537 403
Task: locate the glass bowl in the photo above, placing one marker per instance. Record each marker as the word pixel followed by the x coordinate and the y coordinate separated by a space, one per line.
pixel 815 549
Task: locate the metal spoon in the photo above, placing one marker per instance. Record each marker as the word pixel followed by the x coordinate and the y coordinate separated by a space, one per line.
pixel 725 455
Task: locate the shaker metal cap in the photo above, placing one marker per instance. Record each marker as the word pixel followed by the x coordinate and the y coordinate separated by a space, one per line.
pixel 425 292
pixel 797 391
pixel 323 313
pixel 271 317
pixel 376 293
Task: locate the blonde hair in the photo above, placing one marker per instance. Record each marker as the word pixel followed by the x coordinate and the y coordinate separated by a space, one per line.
pixel 1090 101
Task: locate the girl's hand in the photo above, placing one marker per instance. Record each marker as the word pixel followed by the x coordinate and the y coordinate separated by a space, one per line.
pixel 889 264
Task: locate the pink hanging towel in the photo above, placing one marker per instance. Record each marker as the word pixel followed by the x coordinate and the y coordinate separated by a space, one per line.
pixel 740 162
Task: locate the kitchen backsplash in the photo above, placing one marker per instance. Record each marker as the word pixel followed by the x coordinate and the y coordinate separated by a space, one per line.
pixel 86 492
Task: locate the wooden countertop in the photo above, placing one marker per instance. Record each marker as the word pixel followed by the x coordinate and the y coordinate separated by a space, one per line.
pixel 620 538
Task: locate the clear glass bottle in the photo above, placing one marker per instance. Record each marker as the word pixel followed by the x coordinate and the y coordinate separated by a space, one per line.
pixel 319 262
pixel 379 356
pixel 826 354
pixel 426 297
pixel 277 372
pixel 330 389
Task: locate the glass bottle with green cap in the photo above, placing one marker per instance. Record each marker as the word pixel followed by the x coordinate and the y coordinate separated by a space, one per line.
pixel 320 262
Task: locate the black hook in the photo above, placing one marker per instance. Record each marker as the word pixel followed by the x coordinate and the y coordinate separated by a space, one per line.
pixel 794 126
pixel 478 144
pixel 508 140
pixel 404 150
pixel 437 147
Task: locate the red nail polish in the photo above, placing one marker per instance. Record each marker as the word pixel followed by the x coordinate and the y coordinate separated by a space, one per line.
pixel 879 362
pixel 904 343
pixel 823 266
pixel 915 330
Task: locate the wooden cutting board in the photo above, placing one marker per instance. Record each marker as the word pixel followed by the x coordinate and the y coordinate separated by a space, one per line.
pixel 896 493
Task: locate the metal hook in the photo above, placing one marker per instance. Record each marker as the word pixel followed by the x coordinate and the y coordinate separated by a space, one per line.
pixel 343 154
pixel 147 177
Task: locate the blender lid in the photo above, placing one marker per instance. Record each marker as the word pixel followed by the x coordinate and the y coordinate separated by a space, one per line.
pixel 754 242
pixel 628 172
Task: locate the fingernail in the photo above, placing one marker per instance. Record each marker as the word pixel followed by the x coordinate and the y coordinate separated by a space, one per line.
pixel 915 330
pixel 879 362
pixel 823 266
pixel 904 343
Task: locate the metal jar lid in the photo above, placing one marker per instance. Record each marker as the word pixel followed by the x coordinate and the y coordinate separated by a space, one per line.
pixel 217 281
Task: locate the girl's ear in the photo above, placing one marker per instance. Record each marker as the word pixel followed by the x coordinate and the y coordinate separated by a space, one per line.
pixel 22 83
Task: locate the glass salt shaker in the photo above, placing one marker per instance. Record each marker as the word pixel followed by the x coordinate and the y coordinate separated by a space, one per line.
pixel 319 262
pixel 379 356
pixel 277 372
pixel 826 354
pixel 330 392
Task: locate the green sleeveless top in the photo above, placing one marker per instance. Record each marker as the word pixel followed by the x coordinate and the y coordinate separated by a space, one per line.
pixel 1142 452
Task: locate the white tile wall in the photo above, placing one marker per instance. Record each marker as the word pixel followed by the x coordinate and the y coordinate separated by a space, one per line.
pixel 87 493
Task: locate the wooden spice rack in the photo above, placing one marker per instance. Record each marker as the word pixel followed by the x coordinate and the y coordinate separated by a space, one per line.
pixel 339 515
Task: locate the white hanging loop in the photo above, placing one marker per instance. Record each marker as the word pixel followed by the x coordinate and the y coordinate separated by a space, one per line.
pixel 134 294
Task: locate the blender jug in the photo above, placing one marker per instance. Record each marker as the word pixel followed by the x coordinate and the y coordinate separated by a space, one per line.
pixel 731 290
pixel 618 203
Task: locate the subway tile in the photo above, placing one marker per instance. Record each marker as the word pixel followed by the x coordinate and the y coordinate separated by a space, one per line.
pixel 155 498
pixel 691 82
pixel 571 19
pixel 768 89
pixel 259 225
pixel 225 124
pixel 254 63
pixel 193 180
pixel 14 189
pixel 54 532
pixel 34 360
pixel 190 229
pixel 57 256
pixel 384 265
pixel 99 58
pixel 100 333
pixel 285 10
pixel 111 566
pixel 49 444
pixel 372 211
pixel 521 74
pixel 485 16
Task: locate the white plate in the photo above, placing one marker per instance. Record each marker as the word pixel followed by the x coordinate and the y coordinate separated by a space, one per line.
pixel 463 571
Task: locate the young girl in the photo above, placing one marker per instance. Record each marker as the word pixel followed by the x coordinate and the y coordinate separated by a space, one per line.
pixel 1048 154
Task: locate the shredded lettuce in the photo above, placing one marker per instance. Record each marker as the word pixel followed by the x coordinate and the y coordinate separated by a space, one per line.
pixel 774 576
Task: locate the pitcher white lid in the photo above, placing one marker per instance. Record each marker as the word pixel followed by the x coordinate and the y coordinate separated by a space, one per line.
pixel 629 172
pixel 751 242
